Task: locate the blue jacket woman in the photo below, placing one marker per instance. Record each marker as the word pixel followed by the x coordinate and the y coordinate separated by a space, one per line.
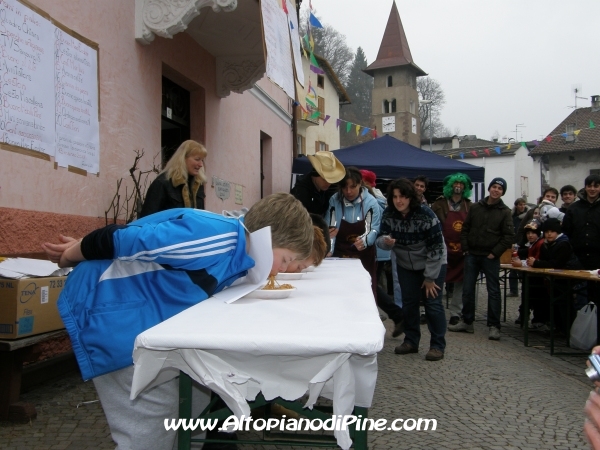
pixel 354 217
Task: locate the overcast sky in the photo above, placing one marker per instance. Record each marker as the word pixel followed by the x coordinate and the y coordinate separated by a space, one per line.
pixel 500 63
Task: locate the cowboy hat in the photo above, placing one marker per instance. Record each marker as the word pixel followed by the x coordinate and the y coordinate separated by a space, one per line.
pixel 327 166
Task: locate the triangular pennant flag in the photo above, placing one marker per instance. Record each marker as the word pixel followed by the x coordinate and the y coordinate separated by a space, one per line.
pixel 310 103
pixel 564 135
pixel 487 151
pixel 337 123
pixel 548 138
pixel 462 156
pixel 374 133
pixel 304 53
pixel 498 150
pixel 314 21
pixel 357 129
pixel 316 70
pixel 313 60
pixel 315 114
pixel 304 115
pixel 508 148
pixel 535 142
pixel 474 153
pixel 291 25
pixel 312 44
pixel 523 144
pixel 348 126
pixel 364 131
pixel 305 37
pixel 576 132
pixel 326 119
pixel 592 124
pixel 283 4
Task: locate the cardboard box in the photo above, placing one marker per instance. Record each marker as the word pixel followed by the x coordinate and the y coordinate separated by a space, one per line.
pixel 28 306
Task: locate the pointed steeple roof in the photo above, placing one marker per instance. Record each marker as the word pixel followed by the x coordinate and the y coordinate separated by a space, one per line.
pixel 394 50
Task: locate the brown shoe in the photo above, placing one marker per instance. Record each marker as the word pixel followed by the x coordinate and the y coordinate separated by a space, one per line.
pixel 398 329
pixel 434 354
pixel 405 349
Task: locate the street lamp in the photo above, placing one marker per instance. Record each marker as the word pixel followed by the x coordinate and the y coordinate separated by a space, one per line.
pixel 429 102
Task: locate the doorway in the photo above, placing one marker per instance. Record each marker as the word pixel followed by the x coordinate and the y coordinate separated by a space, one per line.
pixel 175 118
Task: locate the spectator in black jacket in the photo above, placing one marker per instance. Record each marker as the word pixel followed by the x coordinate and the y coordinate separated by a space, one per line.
pixel 556 252
pixel 181 183
pixel 313 189
pixel 486 233
pixel 582 225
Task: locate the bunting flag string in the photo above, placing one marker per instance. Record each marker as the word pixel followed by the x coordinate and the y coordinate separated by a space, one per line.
pixel 498 149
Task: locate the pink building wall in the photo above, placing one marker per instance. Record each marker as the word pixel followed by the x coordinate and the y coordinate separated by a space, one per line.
pixel 39 200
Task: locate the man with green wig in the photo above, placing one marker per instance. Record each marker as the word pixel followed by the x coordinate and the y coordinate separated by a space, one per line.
pixel 452 208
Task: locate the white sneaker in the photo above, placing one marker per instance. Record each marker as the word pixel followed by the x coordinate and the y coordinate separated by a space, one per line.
pixel 462 326
pixel 494 334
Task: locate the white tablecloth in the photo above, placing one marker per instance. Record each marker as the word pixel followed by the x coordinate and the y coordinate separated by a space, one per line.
pixel 323 339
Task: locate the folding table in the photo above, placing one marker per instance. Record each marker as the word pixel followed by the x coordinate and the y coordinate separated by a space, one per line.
pixel 322 340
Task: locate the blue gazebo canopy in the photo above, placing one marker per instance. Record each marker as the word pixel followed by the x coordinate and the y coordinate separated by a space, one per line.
pixel 391 158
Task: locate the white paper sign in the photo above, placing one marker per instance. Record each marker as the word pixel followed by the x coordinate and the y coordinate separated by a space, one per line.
pixel 262 253
pixel 295 38
pixel 277 44
pixel 76 94
pixel 26 65
pixel 222 189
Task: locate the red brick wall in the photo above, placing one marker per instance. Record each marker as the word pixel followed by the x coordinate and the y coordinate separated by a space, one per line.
pixel 24 231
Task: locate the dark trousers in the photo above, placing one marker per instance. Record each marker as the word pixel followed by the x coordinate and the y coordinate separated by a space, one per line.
pixel 412 292
pixel 491 269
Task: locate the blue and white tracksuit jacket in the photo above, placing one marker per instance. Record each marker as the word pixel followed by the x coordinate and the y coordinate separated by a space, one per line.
pixel 163 264
pixel 364 207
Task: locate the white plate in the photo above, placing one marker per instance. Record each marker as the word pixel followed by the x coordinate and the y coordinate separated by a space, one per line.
pixel 270 294
pixel 309 269
pixel 289 276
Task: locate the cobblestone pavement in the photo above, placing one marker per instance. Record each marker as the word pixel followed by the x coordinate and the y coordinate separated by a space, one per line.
pixel 484 395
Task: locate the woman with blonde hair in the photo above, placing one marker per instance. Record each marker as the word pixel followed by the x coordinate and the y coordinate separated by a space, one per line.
pixel 181 183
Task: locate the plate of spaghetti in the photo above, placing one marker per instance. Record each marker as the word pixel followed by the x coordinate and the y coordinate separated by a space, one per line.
pixel 272 290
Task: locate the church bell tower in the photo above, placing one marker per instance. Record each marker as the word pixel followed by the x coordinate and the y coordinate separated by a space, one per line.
pixel 395 106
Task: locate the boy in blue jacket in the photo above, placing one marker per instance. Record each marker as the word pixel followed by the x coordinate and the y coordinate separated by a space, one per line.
pixel 131 277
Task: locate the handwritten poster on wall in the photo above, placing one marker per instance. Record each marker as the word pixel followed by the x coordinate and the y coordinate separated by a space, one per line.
pixel 277 44
pixel 49 89
pixel 27 103
pixel 76 98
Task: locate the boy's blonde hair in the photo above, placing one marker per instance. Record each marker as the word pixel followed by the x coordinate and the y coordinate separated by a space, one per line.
pixel 291 225
pixel 176 169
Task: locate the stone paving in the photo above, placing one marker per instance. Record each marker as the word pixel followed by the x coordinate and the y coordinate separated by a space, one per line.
pixel 484 395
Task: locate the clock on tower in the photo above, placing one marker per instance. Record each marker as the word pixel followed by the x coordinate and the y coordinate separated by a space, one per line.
pixel 388 124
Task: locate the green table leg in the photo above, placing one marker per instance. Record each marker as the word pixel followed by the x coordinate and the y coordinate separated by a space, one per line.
pixel 184 437
pixel 360 436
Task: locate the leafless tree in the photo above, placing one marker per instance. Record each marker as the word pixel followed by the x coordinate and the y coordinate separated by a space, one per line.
pixel 331 45
pixel 430 89
pixel 128 207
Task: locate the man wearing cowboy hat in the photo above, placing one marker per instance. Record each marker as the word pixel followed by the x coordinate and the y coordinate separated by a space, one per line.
pixel 312 189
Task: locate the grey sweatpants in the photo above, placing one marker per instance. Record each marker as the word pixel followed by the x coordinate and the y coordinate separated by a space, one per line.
pixel 139 424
